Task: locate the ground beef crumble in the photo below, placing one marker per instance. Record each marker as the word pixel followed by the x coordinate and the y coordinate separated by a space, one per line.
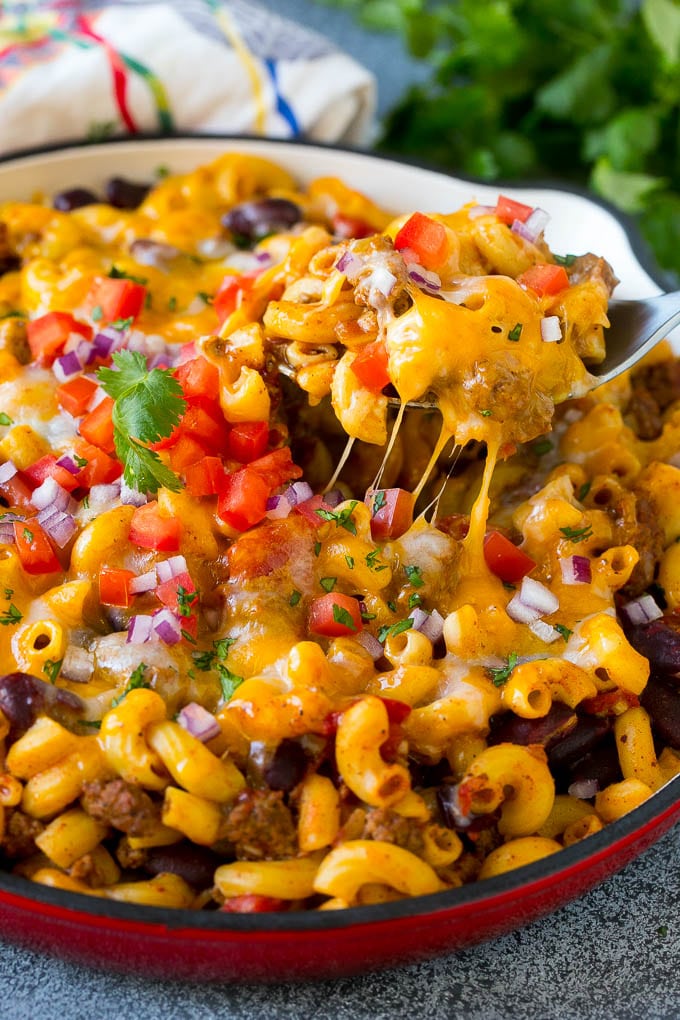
pixel 120 804
pixel 18 841
pixel 259 826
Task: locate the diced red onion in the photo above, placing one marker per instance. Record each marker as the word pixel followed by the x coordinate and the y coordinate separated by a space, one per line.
pixel 429 624
pixel 350 264
pixel 641 610
pixel 531 602
pixel 101 495
pixel 298 492
pixel 140 630
pixel 51 493
pixel 333 498
pixel 263 257
pixel 132 497
pixel 160 360
pixel 481 210
pixel 534 225
pixel 67 366
pixel 382 280
pixel 584 789
pixel 77 664
pixel 7 471
pixel 96 398
pixel 424 277
pixel 278 507
pixel 103 344
pixel 575 570
pixel 143 582
pixel 197 721
pixel 68 464
pixel 551 329
pixel 167 569
pixel 60 526
pixel 371 644
pixel 544 631
pixel 6 533
pixel 166 625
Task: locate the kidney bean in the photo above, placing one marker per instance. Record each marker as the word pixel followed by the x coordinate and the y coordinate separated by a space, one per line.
pixel 74 198
pixel 254 220
pixel 124 194
pixel 195 864
pixel 586 735
pixel 287 766
pixel 660 643
pixel 547 730
pixel 601 764
pixel 662 701
pixel 455 816
pixel 24 697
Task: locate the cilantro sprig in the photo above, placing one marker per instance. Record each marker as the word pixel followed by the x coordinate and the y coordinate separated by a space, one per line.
pixel 137 680
pixel 501 674
pixel 148 404
pixel 578 534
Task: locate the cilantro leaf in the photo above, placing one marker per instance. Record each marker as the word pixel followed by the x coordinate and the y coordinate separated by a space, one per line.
pixel 340 615
pixel 51 669
pixel 563 631
pixel 414 575
pixel 119 274
pixel 228 681
pixel 11 616
pixel 577 534
pixel 501 675
pixel 328 583
pixel 394 629
pixel 137 680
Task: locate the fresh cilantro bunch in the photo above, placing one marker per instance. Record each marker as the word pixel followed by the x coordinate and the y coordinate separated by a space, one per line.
pixel 587 90
pixel 147 406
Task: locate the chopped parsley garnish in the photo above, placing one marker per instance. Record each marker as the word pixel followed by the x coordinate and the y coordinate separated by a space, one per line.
pixel 349 560
pixel 5 419
pixel 8 591
pixel 328 583
pixel 414 576
pixel 172 304
pixel 11 616
pixel 501 675
pixel 80 462
pixel 583 491
pixel 207 660
pixel 577 534
pixel 509 585
pixel 392 606
pixel 228 681
pixel 204 296
pixel 340 615
pixel 188 637
pixel 516 332
pixel 485 414
pixel 13 314
pixel 185 600
pixel 148 300
pixel 343 518
pixel 541 447
pixel 317 548
pixel 27 534
pixel 97 313
pixel 137 680
pixel 162 171
pixel 294 598
pixel 119 274
pixel 123 324
pixel 392 631
pixel 222 646
pixel 564 260
pixel 148 405
pixel 51 669
pixel 92 724
pixel 414 600
pixel 371 561
pixel 563 631
pixel 203 660
pixel 367 617
pixel 85 502
pixel 379 500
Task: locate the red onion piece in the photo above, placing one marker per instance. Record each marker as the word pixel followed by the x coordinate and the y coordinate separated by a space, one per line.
pixel 371 644
pixel 543 631
pixel 333 498
pixel 481 210
pixel 60 526
pixel 531 602
pixel 349 264
pixel 167 569
pixel 429 624
pixel 77 664
pixel 143 582
pixel 51 493
pixel 166 625
pixel 551 329
pixel 197 721
pixel 298 492
pixel 382 280
pixel 424 277
pixel 103 344
pixel 7 471
pixel 6 533
pixel 534 225
pixel 69 464
pixel 140 630
pixel 575 570
pixel 278 507
pixel 67 366
pixel 130 496
pixel 103 495
pixel 641 610
pixel 584 789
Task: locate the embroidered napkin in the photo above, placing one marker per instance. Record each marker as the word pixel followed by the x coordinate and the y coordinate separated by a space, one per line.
pixel 74 69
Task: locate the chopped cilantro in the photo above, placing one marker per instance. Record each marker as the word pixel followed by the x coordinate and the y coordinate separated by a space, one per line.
pixel 577 534
pixel 367 617
pixel 204 296
pixel 414 600
pixel 85 502
pixel 122 324
pixel 51 669
pixel 343 518
pixel 13 314
pixel 294 598
pixel 92 724
pixel 162 171
pixel 563 631
pixel 414 576
pixel 340 615
pixel 80 462
pixel 371 563
pixel 222 646
pixel 392 631
pixel 392 606
pixel 349 560
pixel 97 313
pixel 317 548
pixel 27 534
pixel 501 675
pixel 188 637
pixel 185 600
pixel 516 332
pixel 120 274
pixel 378 501
pixel 328 583
pixel 5 419
pixel 509 585
pixel 485 414
pixel 203 660
pixel 564 260
pixel 583 491
pixel 172 304
pixel 229 681
pixel 10 616
pixel 137 680
pixel 8 591
pixel 148 300
pixel 541 447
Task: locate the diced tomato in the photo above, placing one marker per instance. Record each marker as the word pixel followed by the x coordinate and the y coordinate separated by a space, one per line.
pixel 248 441
pixel 47 467
pixel 504 559
pixel 508 210
pixel 610 702
pixel 198 377
pixel 97 425
pixel 203 421
pixel 185 452
pixel 544 279
pixel 99 469
pixel 75 394
pixel 276 467
pixel 33 546
pixel 391 512
pixel 151 530
pixel 335 615
pixel 180 596
pixel 309 508
pixel 116 299
pixel 230 293
pixel 114 587
pixel 425 237
pixel 16 491
pixel 252 903
pixel 205 477
pixel 243 499
pixel 48 334
pixel 370 366
pixel 397 711
pixel 351 226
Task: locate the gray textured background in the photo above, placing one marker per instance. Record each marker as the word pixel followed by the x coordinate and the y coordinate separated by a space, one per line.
pixel 612 955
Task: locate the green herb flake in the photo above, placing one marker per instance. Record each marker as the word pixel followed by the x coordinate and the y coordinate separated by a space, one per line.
pixel 172 304
pixel 122 324
pixel 5 419
pixel 501 675
pixel 188 636
pixel 204 660
pixel 563 631
pixel 120 274
pixel 185 600
pixel 392 606
pixel 229 682
pixel 317 548
pixel 349 560
pixel 367 617
pixel 51 669
pixel 510 586
pixel 565 260
pixel 662 931
pixel 485 414
pixel 343 518
pixel 414 576
pixel 341 615
pixel 27 535
pixel 162 171
pixel 542 447
pixel 80 462
pixel 414 600
pixel 222 646
pixel 583 491
pixel 578 534
pixel 11 616
pixel 97 313
pixel 137 680
pixel 379 499
pixel 204 296
pixel 394 630
pixel 372 561
pixel 294 598
pixel 85 502
pixel 90 724
pixel 516 332
pixel 328 583
pixel 9 592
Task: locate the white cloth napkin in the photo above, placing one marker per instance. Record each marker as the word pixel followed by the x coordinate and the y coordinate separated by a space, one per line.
pixel 88 69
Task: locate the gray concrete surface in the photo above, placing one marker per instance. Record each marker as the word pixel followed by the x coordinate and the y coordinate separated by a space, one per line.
pixel 612 955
